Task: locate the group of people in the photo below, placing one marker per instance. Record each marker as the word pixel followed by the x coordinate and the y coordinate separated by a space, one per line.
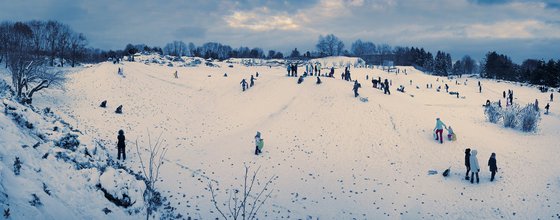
pixel 472 165
pixel 292 69
pixel 439 131
pixel 382 85
pixel 313 70
pixel 245 85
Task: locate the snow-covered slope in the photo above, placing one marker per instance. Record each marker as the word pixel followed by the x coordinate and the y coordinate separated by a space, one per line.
pixel 335 156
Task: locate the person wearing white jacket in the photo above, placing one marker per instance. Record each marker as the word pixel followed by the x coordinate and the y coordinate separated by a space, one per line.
pixel 475 168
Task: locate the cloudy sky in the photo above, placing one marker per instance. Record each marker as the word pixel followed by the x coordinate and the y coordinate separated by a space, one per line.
pixel 519 28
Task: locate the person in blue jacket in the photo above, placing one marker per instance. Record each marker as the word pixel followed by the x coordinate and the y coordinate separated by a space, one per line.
pixel 439 130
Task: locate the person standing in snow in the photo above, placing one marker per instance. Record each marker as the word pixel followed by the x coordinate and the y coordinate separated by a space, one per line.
pixel 493 166
pixel 546 108
pixel 289 68
pixel 318 80
pixel 386 87
pixel 356 87
pixel 467 162
pixel 475 168
pixel 450 134
pixel 243 84
pixel 551 97
pixel 252 81
pixel 258 143
pixel 121 145
pixel 439 130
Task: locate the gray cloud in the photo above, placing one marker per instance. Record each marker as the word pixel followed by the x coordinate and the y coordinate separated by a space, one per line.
pixel 523 27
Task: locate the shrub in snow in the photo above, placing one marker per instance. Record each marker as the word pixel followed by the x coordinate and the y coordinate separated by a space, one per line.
pixel 7 213
pixel 17 166
pixel 46 189
pixel 69 142
pixel 510 116
pixel 35 201
pixel 529 117
pixel 493 113
pixel 122 189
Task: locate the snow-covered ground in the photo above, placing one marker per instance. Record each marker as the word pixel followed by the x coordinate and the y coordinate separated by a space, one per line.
pixel 335 157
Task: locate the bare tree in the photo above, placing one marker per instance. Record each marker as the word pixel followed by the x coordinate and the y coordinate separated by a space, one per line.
pixel 330 45
pixel 151 171
pixel 77 46
pixel 29 74
pixel 52 34
pixel 242 205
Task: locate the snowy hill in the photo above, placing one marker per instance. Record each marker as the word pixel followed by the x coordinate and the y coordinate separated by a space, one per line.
pixel 335 156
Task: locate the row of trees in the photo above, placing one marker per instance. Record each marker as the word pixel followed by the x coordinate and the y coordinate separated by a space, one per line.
pixel 539 72
pixel 43 39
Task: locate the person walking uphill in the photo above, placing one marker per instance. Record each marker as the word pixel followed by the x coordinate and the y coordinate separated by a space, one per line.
pixel 355 88
pixel 493 166
pixel 475 168
pixel 439 130
pixel 467 162
pixel 259 142
pixel 121 146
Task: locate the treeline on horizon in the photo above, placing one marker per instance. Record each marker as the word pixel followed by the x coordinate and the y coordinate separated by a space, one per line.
pixel 58 42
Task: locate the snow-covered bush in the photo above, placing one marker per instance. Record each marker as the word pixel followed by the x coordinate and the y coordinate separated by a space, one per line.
pixel 35 201
pixel 17 166
pixel 69 141
pixel 121 188
pixel 493 113
pixel 510 116
pixel 529 117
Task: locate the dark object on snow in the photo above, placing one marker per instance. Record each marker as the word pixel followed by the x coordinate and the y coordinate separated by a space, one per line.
pixel 243 84
pixel 318 80
pixel 103 104
pixel 300 80
pixel 7 213
pixel 119 110
pixel 106 210
pixel 432 172
pixel 446 172
pixel 467 162
pixel 493 166
pixel 121 145
pixel 547 107
pixel 225 74
pixel 17 166
pixel 356 87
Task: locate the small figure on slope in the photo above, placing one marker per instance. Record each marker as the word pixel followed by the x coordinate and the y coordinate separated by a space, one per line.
pixel 121 146
pixel 493 166
pixel 243 84
pixel 467 162
pixel 439 130
pixel 475 168
pixel 259 143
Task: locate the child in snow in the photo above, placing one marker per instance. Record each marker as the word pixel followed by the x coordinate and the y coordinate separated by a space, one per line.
pixel 450 134
pixel 121 145
pixel 356 87
pixel 243 84
pixel 475 168
pixel 252 81
pixel 467 162
pixel 547 107
pixel 493 166
pixel 318 80
pixel 258 143
pixel 439 130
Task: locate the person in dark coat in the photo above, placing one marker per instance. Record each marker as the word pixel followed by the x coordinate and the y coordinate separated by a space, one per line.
pixel 547 107
pixel 493 166
pixel 551 97
pixel 355 88
pixel 318 80
pixel 243 84
pixel 300 80
pixel 252 81
pixel 121 145
pixel 386 87
pixel 467 162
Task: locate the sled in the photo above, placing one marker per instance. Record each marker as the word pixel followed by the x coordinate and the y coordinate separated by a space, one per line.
pixel 446 172
pixel 364 99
